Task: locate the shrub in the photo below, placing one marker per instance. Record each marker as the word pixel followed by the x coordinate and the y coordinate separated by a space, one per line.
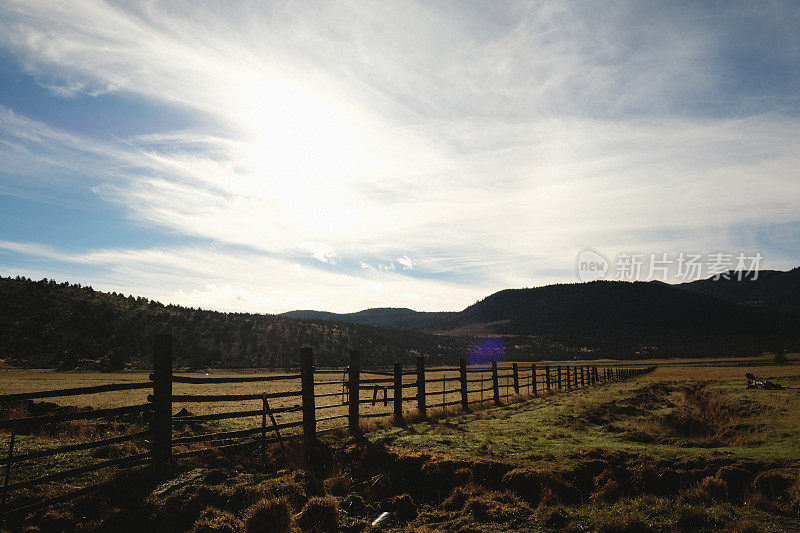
pixel 772 485
pixel 736 480
pixel 57 522
pixel 213 520
pixel 535 486
pixel 714 489
pixel 554 517
pixel 273 515
pixel 404 508
pixel 747 526
pixel 319 514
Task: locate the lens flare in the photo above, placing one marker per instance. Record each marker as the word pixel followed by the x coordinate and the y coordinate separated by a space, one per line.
pixel 486 351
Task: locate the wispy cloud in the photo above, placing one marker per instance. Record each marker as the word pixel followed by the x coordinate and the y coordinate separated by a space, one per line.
pixel 233 280
pixel 461 146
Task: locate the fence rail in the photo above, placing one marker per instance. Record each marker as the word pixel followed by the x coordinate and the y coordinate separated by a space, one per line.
pixel 384 394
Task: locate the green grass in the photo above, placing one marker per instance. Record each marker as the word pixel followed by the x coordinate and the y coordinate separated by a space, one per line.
pixel 557 426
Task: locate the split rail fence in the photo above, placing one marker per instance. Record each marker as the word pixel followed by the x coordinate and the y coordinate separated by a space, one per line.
pixel 304 403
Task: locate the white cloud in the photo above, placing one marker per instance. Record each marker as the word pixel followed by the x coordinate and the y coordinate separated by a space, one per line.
pixel 405 262
pixel 245 281
pixel 489 143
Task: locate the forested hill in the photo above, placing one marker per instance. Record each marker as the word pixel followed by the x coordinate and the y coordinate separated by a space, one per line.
pixel 614 317
pixel 49 324
pixel 771 289
pixel 623 319
pixel 384 317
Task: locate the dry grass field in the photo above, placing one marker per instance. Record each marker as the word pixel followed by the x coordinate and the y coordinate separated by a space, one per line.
pixel 686 448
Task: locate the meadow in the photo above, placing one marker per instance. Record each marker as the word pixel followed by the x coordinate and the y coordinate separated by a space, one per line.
pixel 686 448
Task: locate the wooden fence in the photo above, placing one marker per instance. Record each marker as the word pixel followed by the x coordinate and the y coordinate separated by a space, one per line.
pixel 323 406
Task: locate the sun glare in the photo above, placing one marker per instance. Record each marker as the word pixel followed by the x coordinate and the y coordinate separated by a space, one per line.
pixel 299 133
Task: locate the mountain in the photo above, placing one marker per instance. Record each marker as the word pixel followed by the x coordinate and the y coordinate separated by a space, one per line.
pixel 773 289
pixel 612 316
pixel 623 319
pixel 59 325
pixel 385 317
pixel 49 324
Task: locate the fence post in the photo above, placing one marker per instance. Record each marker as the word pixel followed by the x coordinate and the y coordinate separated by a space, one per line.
pixel 9 457
pixel 398 393
pixel 583 378
pixel 421 386
pixel 264 428
pixel 569 378
pixel 161 446
pixel 353 392
pixel 462 368
pixel 515 372
pixel 495 384
pixel 547 376
pixel 533 379
pixel 307 393
pixel 558 377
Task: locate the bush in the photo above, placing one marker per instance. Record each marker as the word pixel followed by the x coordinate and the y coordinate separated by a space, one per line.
pixel 269 515
pixel 213 520
pixel 57 522
pixel 404 508
pixel 772 485
pixel 319 514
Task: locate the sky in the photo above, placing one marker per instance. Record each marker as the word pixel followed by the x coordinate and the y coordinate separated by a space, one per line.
pixel 270 156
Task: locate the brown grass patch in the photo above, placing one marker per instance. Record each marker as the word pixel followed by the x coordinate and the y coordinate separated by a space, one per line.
pixel 319 514
pixel 474 503
pixel 708 417
pixel 213 520
pixel 269 515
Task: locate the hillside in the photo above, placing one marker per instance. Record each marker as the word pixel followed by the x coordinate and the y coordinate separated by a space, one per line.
pixel 624 319
pixel 615 316
pixel 49 324
pixel 385 317
pixel 772 289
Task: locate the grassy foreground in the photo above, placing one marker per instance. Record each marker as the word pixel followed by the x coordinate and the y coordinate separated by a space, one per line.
pixel 685 448
pixel 680 449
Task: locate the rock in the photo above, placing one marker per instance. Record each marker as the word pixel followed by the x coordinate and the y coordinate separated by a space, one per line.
pixel 178 482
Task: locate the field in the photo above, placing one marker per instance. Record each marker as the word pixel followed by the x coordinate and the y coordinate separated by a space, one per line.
pixel 685 448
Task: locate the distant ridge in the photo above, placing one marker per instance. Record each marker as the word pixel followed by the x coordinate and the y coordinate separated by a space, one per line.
pixel 49 324
pixel 385 317
pixel 703 317
pixel 772 289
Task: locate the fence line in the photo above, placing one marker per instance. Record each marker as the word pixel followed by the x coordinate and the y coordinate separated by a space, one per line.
pixel 391 391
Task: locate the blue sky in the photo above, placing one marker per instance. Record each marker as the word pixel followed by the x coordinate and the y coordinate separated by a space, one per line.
pixel 268 156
